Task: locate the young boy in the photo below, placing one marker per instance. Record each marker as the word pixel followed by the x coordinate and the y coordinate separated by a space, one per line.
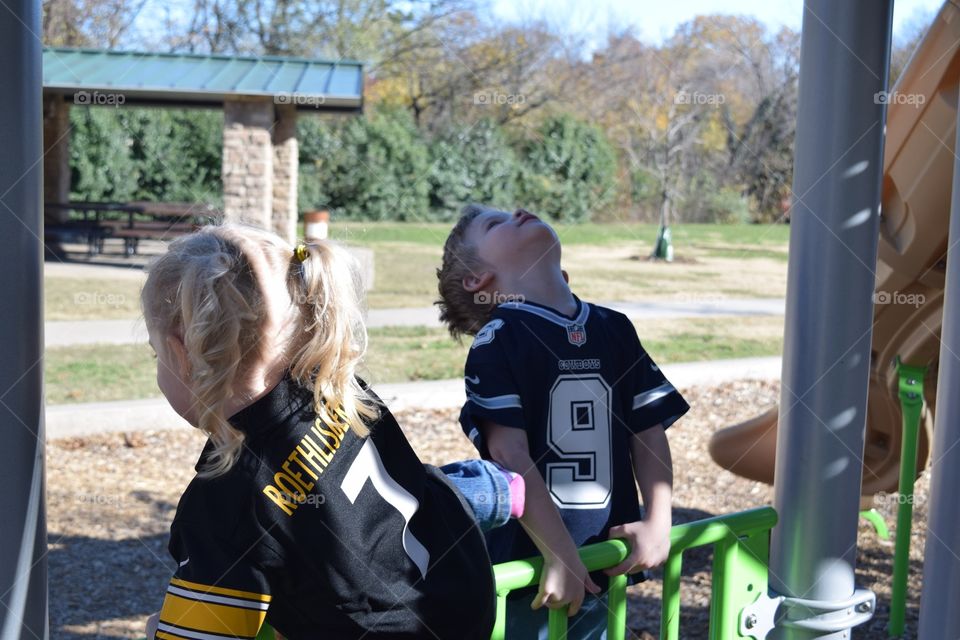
pixel 562 392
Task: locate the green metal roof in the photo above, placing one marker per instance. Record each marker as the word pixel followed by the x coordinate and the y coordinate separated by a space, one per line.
pixel 196 79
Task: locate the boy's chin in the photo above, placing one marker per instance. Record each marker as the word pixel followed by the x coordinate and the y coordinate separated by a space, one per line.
pixel 542 236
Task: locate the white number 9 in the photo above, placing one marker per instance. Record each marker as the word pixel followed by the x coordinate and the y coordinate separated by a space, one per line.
pixel 578 430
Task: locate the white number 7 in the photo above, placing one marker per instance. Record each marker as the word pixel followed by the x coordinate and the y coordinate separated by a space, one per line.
pixel 369 465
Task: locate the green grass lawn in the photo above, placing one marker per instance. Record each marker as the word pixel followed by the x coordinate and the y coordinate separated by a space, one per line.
pixel 94 373
pixel 696 235
pixel 606 262
pixel 90 298
pixel 99 373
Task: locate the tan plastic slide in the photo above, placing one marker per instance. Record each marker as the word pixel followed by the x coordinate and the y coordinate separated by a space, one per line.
pixel 911 266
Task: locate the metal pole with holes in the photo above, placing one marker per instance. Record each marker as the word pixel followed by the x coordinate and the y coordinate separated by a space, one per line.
pixel 838 168
pixel 939 613
pixel 23 536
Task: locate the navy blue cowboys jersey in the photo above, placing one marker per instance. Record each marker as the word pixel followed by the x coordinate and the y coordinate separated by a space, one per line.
pixel 325 535
pixel 580 387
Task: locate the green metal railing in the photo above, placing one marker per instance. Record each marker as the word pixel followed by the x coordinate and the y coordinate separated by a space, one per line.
pixel 740 558
pixel 910 391
pixel 875 518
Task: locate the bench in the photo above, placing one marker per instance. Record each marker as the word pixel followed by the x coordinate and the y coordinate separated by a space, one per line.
pixel 126 221
pixel 152 230
pixel 88 231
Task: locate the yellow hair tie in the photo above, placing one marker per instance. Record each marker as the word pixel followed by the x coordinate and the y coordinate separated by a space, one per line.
pixel 301 252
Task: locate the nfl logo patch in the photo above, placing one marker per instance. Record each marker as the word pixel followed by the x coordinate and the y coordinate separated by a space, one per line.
pixel 576 334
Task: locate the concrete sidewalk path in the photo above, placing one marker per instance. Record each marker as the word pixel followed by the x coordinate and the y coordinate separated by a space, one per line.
pixel 73 420
pixel 65 333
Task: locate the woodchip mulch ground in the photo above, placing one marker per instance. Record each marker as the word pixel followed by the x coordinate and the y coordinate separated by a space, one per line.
pixel 110 500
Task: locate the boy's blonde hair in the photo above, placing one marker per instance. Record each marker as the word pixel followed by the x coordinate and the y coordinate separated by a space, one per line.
pixel 222 288
pixel 463 312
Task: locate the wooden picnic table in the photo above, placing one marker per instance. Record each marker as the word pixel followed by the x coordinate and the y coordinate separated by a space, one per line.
pixel 133 221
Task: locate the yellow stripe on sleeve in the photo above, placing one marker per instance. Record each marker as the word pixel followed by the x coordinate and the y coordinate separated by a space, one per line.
pixel 211 617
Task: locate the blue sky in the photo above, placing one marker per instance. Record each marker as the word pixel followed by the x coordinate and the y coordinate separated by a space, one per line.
pixel 653 20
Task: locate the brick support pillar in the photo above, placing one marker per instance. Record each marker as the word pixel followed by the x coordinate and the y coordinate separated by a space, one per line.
pixel 248 161
pixel 286 163
pixel 56 154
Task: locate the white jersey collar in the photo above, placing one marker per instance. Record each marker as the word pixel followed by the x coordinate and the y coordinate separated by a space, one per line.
pixel 552 315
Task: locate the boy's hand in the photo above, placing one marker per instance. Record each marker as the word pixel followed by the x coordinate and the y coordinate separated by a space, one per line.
pixel 649 546
pixel 563 583
pixel 152 626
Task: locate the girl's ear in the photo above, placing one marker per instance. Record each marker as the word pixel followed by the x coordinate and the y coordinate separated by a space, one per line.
pixel 566 276
pixel 476 282
pixel 178 350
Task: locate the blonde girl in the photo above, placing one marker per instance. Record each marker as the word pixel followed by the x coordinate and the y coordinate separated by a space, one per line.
pixel 309 509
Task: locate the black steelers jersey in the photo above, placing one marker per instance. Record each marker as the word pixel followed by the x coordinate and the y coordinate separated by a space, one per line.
pixel 580 387
pixel 325 535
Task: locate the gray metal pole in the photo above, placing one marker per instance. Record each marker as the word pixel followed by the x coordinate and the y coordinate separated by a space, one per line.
pixel 838 168
pixel 939 613
pixel 23 536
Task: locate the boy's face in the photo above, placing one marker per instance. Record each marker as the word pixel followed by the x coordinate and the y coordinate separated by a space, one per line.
pixel 513 243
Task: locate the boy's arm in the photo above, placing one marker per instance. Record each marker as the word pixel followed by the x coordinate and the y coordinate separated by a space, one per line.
pixel 564 575
pixel 653 468
pixel 152 626
pixel 649 538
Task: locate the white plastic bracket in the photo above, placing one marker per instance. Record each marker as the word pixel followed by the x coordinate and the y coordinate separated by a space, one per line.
pixel 819 616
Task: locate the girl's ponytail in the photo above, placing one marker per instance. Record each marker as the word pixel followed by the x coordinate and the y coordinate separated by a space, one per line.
pixel 333 337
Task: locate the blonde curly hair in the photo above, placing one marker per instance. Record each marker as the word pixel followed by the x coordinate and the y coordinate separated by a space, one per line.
pixel 224 287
